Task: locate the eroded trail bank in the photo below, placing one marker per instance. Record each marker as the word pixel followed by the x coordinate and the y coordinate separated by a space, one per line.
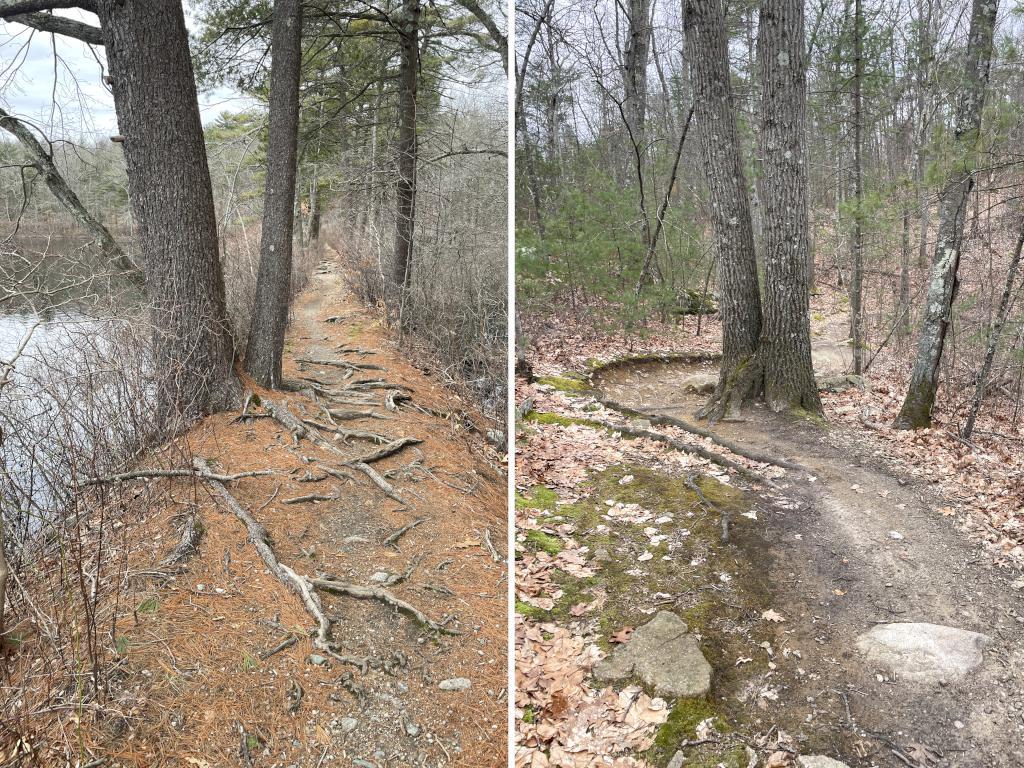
pixel 783 584
pixel 374 631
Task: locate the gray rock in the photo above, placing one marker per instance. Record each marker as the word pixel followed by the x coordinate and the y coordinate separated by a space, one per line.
pixel 923 653
pixel 677 760
pixel 662 655
pixel 317 659
pixel 348 724
pixel 818 761
pixel 412 729
pixel 841 382
pixel 700 383
pixel 380 577
pixel 455 684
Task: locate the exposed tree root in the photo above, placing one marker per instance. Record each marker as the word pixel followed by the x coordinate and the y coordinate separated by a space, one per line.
pixel 392 540
pixel 489 546
pixel 191 535
pixel 697 450
pixel 344 415
pixel 341 364
pixel 377 480
pixel 347 433
pixel 311 497
pixel 258 535
pixel 147 473
pixel 389 449
pixel 376 593
pixel 739 450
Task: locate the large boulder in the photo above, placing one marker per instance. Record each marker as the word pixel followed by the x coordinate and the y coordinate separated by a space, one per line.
pixel 921 652
pixel 663 655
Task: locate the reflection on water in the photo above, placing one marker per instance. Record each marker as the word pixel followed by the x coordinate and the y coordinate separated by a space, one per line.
pixel 76 404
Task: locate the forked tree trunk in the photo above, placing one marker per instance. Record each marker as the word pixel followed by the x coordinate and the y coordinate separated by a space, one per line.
pixel 408 25
pixel 740 305
pixel 785 346
pixel 60 189
pixel 273 286
pixel 920 399
pixel 172 204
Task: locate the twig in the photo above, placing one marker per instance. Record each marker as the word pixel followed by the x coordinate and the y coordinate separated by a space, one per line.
pixel 392 540
pixel 286 643
pixel 377 480
pixel 191 534
pixel 490 547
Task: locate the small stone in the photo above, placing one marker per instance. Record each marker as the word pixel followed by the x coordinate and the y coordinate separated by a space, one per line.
pixel 677 760
pixel 959 725
pixel 347 724
pixel 317 659
pixel 412 729
pixel 662 655
pixel 455 684
pixel 380 577
pixel 818 761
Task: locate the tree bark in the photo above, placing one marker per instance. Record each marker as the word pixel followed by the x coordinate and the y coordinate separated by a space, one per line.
pixel 408 25
pixel 740 305
pixel 634 69
pixel 857 234
pixel 43 162
pixel 172 204
pixel 785 345
pixel 920 399
pixel 273 285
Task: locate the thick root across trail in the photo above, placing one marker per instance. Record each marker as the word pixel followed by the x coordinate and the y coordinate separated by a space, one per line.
pixel 321 580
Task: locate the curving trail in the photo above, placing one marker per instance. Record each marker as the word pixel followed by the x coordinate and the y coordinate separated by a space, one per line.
pixel 850 545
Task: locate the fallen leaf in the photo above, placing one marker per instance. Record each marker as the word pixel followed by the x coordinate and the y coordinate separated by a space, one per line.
pixel 772 615
pixel 622 636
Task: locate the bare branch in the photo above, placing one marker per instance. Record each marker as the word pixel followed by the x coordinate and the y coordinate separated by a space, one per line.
pixel 58 25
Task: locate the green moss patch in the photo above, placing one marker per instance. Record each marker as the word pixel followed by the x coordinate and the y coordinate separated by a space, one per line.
pixel 540 417
pixel 538 540
pixel 570 383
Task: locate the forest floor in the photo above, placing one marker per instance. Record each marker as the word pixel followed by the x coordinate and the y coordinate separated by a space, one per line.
pixel 216 663
pixel 872 527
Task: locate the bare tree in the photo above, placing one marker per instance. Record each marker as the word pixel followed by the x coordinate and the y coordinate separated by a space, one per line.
pixel 273 287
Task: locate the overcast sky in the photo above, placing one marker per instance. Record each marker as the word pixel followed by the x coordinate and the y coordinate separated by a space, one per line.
pixel 65 94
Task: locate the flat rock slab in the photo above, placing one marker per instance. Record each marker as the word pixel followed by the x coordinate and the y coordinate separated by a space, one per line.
pixel 923 653
pixel 818 761
pixel 663 655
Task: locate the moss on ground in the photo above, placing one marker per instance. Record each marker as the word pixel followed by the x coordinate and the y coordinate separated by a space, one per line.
pixel 541 417
pixel 571 383
pixel 538 540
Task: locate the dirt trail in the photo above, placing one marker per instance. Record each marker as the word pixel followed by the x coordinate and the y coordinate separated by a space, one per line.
pixel 850 545
pixel 196 685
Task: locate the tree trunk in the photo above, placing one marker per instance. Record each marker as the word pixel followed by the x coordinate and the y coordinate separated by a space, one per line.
pixel 857 235
pixel 785 346
pixel 740 305
pixel 172 204
pixel 634 69
pixel 43 162
pixel 903 307
pixel 917 406
pixel 408 25
pixel 994 332
pixel 273 285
